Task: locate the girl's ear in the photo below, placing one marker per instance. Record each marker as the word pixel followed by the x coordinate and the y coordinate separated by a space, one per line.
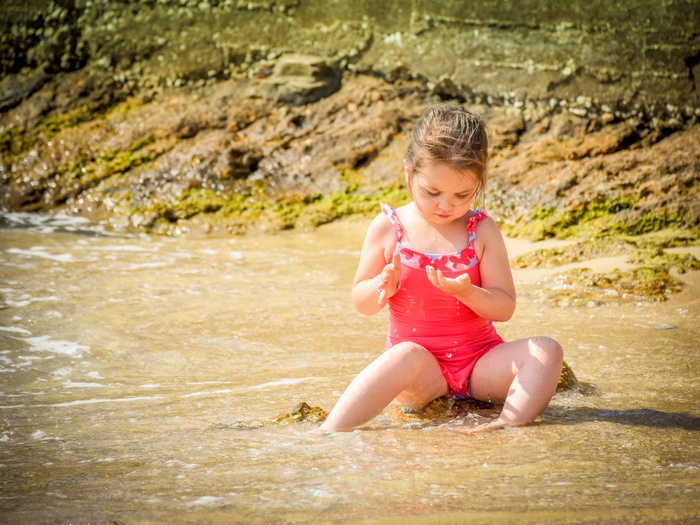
pixel 407 176
pixel 406 169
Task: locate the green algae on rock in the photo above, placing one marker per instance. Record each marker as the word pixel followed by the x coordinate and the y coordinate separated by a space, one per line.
pixel 567 379
pixel 303 412
pixel 645 249
pixel 653 276
pixel 68 181
pixel 198 208
pixel 584 287
pixel 572 253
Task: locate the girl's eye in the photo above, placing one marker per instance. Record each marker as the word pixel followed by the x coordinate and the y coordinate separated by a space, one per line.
pixel 431 194
pixel 463 196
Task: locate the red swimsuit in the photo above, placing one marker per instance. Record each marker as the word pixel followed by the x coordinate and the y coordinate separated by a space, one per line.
pixel 443 325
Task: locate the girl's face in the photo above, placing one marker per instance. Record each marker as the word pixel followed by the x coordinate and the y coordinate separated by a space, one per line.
pixel 441 193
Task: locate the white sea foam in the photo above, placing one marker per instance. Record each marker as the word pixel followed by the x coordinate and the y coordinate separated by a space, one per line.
pixel 291 381
pixel 29 358
pixel 45 223
pixel 94 401
pixel 87 402
pixel 71 384
pixel 180 464
pixel 206 500
pixel 44 343
pixel 122 248
pixel 15 329
pixel 157 264
pixel 208 383
pixel 195 394
pixel 30 300
pixel 39 251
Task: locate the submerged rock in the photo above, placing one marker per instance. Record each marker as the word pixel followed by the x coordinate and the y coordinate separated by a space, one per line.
pixel 303 412
pixel 567 379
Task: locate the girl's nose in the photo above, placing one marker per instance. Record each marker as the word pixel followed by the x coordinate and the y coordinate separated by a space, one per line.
pixel 445 203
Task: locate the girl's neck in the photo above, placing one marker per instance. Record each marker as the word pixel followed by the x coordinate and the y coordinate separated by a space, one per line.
pixel 425 236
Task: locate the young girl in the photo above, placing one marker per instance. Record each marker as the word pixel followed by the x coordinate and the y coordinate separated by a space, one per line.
pixel 441 340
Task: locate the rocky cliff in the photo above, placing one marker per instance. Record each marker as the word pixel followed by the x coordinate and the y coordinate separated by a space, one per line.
pixel 179 115
pixel 639 55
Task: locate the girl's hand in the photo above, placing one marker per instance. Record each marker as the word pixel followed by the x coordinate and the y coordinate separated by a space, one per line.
pixel 386 284
pixel 456 287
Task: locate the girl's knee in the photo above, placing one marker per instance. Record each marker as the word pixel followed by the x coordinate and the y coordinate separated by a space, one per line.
pixel 409 354
pixel 547 349
pixel 408 350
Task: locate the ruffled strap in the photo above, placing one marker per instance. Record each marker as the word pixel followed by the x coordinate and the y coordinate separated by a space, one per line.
pixel 394 220
pixel 476 217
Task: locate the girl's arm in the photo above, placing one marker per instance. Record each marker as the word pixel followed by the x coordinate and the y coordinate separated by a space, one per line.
pixel 495 298
pixel 378 268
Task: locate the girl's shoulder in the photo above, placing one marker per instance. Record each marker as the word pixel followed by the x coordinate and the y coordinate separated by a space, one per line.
pixel 380 238
pixel 486 231
pixel 393 218
pixel 480 220
pixel 381 228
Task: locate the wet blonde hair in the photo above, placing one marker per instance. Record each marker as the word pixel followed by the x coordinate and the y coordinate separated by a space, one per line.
pixel 450 135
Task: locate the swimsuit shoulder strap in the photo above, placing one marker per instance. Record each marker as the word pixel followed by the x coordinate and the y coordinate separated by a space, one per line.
pixel 394 220
pixel 476 217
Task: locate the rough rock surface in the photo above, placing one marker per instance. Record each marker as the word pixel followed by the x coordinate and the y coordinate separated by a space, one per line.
pixel 297 80
pixel 228 154
pixel 642 56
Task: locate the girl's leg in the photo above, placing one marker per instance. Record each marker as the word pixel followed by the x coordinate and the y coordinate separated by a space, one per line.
pixel 406 370
pixel 523 375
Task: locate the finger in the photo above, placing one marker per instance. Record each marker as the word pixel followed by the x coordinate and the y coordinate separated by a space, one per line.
pixel 441 281
pixel 441 278
pixel 430 271
pixel 396 261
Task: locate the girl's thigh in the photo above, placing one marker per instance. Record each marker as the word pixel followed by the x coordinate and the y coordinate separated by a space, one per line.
pixel 493 374
pixel 427 381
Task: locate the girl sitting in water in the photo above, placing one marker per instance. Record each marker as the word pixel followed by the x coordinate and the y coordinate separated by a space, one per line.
pixel 441 340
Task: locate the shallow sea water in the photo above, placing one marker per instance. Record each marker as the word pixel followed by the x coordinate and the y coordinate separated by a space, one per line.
pixel 134 368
